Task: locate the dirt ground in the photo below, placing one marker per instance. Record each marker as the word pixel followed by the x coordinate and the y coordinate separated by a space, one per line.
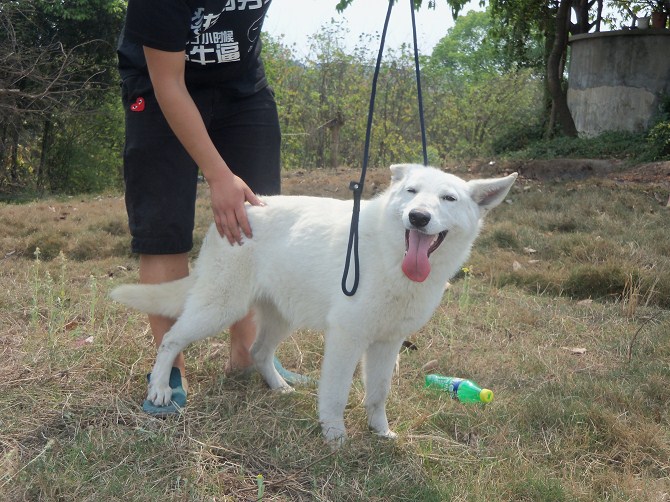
pixel 335 182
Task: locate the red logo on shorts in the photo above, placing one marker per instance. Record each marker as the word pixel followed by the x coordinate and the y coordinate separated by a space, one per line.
pixel 138 105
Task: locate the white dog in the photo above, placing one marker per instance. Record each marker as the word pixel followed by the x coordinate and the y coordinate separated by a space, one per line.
pixel 413 238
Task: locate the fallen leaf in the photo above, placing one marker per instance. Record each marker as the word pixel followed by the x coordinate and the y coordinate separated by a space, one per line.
pixel 529 250
pixel 588 301
pixel 578 351
pixel 516 266
pixel 430 365
pixel 70 325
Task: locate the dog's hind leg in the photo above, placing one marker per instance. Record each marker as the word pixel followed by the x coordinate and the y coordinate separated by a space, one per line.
pixel 378 363
pixel 200 319
pixel 273 328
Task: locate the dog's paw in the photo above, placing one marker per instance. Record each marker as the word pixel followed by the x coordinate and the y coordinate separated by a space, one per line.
pixel 334 434
pixel 388 434
pixel 159 395
pixel 287 389
pixel 335 443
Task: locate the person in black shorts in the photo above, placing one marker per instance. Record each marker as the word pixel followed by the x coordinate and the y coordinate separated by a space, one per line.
pixel 195 98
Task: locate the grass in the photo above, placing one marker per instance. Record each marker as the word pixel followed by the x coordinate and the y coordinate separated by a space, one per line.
pixel 562 311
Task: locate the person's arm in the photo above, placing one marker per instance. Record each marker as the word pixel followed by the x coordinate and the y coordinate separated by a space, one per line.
pixel 228 192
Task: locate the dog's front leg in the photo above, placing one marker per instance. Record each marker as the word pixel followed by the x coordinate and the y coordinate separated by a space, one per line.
pixel 378 363
pixel 159 391
pixel 341 356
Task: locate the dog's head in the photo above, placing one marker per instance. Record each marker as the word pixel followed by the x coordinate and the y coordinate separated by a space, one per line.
pixel 434 204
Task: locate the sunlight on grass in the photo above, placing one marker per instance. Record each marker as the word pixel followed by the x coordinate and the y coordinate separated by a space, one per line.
pixel 562 310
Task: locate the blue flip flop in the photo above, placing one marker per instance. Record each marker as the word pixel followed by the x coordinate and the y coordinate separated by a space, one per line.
pixel 291 377
pixel 177 403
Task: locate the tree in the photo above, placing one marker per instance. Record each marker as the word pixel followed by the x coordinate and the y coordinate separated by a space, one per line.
pixel 479 93
pixel 456 5
pixel 54 65
pixel 520 20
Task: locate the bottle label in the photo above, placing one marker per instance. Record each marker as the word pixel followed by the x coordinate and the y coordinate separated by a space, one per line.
pixel 453 387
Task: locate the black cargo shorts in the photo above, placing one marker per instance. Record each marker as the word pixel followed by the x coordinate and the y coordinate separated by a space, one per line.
pixel 160 176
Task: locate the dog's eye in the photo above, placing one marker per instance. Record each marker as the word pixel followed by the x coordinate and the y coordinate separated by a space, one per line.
pixel 411 190
pixel 449 198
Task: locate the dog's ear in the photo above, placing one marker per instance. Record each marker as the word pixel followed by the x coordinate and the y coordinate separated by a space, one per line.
pixel 398 171
pixel 489 193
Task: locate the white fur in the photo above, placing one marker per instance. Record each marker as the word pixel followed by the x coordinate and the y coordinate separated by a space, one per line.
pixel 290 274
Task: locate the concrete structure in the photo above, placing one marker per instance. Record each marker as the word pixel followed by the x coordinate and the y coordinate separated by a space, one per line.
pixel 617 79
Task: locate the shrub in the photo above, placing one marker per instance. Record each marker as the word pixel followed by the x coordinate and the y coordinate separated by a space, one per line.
pixel 659 141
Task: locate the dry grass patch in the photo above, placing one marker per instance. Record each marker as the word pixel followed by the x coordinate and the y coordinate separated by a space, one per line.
pixel 574 339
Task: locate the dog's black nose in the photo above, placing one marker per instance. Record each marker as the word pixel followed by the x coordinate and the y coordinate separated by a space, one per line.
pixel 419 218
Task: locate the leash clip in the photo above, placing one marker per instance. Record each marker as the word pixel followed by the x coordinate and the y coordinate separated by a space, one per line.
pixel 357 188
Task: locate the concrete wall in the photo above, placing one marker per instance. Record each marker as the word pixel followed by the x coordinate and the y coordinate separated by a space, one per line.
pixel 617 78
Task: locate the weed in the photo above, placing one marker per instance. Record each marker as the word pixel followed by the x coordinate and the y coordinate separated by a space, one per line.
pixel 464 298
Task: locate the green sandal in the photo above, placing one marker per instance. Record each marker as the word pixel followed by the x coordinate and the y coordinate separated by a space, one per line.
pixel 177 403
pixel 291 377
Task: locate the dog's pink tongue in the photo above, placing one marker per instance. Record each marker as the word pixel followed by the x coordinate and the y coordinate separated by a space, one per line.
pixel 415 265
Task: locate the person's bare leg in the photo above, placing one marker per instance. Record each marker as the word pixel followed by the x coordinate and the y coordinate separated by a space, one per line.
pixel 163 268
pixel 242 336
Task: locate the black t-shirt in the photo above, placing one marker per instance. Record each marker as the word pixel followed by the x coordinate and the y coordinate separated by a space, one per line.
pixel 221 39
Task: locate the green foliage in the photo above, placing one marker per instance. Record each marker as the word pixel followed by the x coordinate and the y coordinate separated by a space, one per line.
pixel 59 62
pixel 481 98
pixel 474 117
pixel 519 137
pixel 658 141
pixel 611 144
pixel 521 29
pixel 482 94
pixel 538 487
pixel 471 50
pixel 86 152
pixel 456 5
pixel 323 102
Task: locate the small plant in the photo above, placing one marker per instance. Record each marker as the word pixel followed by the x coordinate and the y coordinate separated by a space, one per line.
pixel 35 286
pixel 464 299
pixel 94 301
pixel 261 487
pixel 659 140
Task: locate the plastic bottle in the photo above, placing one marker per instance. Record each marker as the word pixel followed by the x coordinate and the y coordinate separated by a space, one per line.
pixel 466 391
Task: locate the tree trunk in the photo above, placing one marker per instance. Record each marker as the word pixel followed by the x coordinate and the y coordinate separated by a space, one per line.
pixel 335 146
pixel 4 175
pixel 335 126
pixel 554 76
pixel 14 165
pixel 46 141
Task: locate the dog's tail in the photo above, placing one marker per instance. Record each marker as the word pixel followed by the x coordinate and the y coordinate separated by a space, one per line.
pixel 165 299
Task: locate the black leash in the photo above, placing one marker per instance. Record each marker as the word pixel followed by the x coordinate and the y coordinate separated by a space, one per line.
pixel 418 88
pixel 357 186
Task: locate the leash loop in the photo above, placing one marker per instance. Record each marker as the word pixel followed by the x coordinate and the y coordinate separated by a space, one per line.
pixel 357 186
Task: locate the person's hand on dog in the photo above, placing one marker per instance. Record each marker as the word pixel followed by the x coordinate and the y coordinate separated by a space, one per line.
pixel 228 197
